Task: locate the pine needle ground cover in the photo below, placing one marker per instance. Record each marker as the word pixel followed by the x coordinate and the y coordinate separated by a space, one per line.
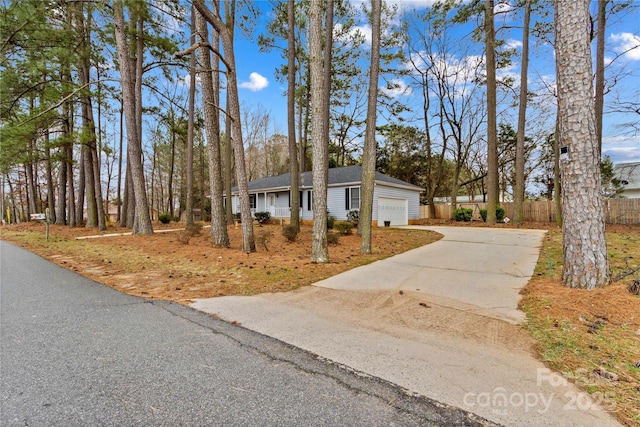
pixel 181 267
pixel 591 337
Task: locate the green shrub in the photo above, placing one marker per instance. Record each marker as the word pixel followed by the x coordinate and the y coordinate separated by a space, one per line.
pixel 343 227
pixel 333 238
pixel 262 217
pixel 463 214
pixel 330 221
pixel 499 214
pixel 165 218
pixel 353 216
pixel 290 232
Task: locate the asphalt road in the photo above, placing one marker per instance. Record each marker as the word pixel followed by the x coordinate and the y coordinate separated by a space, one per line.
pixel 73 352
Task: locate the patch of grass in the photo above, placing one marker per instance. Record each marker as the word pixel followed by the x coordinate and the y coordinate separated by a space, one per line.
pixel 585 333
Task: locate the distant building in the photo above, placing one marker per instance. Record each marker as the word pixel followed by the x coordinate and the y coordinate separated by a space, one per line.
pixel 629 175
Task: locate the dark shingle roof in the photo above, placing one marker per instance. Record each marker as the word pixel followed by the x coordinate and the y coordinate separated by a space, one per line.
pixel 337 176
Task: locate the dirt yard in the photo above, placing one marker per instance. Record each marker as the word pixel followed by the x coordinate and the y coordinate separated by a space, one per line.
pixel 170 265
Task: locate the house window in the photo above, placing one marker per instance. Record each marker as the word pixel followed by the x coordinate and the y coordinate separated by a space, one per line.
pixel 252 200
pixel 352 198
pixel 300 199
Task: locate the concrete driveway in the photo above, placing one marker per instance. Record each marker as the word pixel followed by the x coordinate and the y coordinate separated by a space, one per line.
pixel 450 335
pixel 477 269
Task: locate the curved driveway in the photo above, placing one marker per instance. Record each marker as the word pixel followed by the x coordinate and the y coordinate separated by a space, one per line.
pixel 477 269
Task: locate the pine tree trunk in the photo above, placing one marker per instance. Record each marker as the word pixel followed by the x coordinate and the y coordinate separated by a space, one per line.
pixel 50 187
pixel 599 89
pixel 522 119
pixel 492 136
pixel 225 30
pixel 369 153
pixel 119 192
pixel 585 252
pixel 228 164
pixel 294 219
pixel 248 242
pixel 61 207
pixel 82 185
pixel 319 144
pixel 212 127
pixel 142 222
pixel 71 194
pixel 190 123
pixel 89 186
pixel 172 165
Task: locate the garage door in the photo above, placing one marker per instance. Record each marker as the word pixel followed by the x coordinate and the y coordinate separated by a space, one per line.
pixel 393 210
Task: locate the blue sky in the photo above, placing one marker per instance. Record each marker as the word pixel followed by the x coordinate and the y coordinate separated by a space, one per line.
pixel 259 88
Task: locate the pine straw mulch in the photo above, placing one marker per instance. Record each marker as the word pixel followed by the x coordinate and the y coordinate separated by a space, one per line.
pixel 592 337
pixel 174 266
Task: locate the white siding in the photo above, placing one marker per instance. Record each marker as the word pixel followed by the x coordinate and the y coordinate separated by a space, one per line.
pixel 336 202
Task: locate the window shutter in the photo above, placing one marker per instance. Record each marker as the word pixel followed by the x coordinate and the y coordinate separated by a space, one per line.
pixel 346 199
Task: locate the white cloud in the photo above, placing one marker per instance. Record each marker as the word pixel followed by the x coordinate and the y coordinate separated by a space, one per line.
pixel 627 42
pixel 184 80
pixel 363 30
pixel 503 7
pixel 256 82
pixel 404 5
pixel 513 44
pixel 396 88
pixel 621 148
pixel 458 71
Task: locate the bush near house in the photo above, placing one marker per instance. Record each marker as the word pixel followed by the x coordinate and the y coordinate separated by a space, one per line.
pixel 164 218
pixel 463 214
pixel 262 217
pixel 343 227
pixel 330 221
pixel 353 216
pixel 499 214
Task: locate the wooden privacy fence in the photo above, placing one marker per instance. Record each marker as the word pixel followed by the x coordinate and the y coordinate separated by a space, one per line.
pixel 617 211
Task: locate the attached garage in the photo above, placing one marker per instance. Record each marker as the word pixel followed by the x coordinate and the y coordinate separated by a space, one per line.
pixel 393 210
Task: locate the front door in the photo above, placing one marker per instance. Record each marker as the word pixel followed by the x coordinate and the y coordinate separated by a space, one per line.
pixel 272 204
